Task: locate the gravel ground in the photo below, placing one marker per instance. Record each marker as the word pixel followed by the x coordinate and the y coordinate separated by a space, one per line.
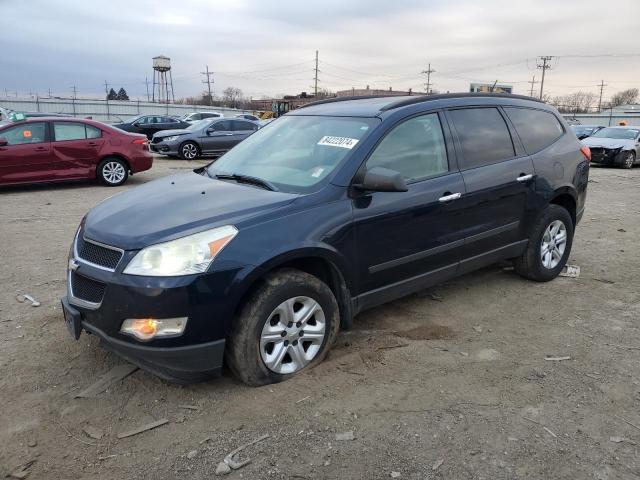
pixel 448 383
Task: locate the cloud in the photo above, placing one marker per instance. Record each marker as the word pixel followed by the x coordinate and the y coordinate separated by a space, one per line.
pixel 268 48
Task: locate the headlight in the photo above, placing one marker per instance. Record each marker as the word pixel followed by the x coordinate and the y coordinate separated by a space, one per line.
pixel 184 256
pixel 170 139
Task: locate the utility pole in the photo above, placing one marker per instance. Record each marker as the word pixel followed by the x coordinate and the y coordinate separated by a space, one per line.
pixel 208 81
pixel 428 73
pixel 75 93
pixel 544 67
pixel 315 78
pixel 533 83
pixel 602 85
pixel 146 82
pixel 49 90
pixel 106 98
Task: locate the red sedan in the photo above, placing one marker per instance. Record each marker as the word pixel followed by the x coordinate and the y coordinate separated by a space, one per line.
pixel 54 149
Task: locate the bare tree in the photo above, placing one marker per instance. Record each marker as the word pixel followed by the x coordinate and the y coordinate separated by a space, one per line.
pixel 231 96
pixel 577 102
pixel 625 97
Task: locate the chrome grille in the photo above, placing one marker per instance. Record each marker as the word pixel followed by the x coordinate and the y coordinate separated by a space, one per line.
pixel 97 254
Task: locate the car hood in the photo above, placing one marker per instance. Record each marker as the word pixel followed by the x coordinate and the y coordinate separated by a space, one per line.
pixel 169 133
pixel 175 206
pixel 612 143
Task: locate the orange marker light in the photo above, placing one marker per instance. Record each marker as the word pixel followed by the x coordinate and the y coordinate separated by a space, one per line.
pixel 26 133
pixel 217 245
pixel 146 326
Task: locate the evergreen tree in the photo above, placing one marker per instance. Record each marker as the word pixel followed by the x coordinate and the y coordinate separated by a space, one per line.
pixel 112 95
pixel 122 94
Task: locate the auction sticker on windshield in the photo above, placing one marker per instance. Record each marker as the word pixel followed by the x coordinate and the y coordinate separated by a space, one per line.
pixel 342 142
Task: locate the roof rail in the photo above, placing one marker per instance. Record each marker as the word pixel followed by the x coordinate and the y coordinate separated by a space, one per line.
pixel 427 98
pixel 344 99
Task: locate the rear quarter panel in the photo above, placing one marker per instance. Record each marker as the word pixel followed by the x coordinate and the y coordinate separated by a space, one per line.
pixel 562 168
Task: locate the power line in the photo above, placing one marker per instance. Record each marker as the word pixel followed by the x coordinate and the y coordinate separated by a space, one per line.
pixel 428 73
pixel 208 81
pixel 544 66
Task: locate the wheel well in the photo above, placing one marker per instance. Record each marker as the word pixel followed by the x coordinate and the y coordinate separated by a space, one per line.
pixel 565 200
pixel 119 157
pixel 322 269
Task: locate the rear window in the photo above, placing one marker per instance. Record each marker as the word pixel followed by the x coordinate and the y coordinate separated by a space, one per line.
pixel 484 136
pixel 537 129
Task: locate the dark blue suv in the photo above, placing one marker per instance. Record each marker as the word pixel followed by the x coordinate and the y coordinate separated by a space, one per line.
pixel 258 259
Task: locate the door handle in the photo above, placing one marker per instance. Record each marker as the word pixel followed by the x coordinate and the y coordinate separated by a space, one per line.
pixel 450 197
pixel 92 144
pixel 524 178
pixel 40 149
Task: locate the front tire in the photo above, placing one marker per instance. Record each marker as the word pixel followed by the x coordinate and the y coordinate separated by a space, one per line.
pixel 113 172
pixel 287 325
pixel 549 245
pixel 627 160
pixel 189 151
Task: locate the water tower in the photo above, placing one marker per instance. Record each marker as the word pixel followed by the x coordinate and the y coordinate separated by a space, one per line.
pixel 162 80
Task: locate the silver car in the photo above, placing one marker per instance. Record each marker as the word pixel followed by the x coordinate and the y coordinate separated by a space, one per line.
pixel 618 146
pixel 205 137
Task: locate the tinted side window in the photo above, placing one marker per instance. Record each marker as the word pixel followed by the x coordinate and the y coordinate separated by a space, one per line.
pixel 415 148
pixel 22 134
pixel 68 131
pixel 223 126
pixel 537 129
pixel 484 136
pixel 244 126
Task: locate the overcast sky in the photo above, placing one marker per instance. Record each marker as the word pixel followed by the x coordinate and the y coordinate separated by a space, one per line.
pixel 267 47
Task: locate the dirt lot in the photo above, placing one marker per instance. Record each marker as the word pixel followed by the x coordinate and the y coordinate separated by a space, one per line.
pixel 449 383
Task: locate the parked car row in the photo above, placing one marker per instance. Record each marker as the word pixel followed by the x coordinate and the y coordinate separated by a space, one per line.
pixel 256 260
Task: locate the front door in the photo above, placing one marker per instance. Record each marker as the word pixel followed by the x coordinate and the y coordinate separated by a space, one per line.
pixel 218 138
pixel 408 240
pixel 27 155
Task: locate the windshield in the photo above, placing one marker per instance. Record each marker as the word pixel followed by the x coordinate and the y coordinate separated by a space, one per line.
pixel 617 133
pixel 583 130
pixel 200 124
pixel 295 153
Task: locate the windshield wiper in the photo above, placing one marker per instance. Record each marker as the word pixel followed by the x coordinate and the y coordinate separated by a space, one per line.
pixel 246 179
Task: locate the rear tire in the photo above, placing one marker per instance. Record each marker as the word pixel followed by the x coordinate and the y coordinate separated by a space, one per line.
pixel 189 151
pixel 268 342
pixel 113 171
pixel 546 253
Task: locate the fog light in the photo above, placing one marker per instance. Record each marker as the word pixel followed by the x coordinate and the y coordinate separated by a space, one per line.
pixel 148 328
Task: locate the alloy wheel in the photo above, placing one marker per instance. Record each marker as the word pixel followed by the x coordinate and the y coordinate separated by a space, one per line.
pixel 554 242
pixel 629 160
pixel 113 172
pixel 293 335
pixel 189 151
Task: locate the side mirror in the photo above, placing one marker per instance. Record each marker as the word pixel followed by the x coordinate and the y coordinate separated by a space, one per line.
pixel 136 124
pixel 379 179
pixel 210 131
pixel 3 142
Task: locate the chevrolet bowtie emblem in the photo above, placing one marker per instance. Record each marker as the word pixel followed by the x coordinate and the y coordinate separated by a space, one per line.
pixel 73 265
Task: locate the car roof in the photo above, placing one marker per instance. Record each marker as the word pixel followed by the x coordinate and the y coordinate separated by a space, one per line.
pixel 377 105
pixel 625 127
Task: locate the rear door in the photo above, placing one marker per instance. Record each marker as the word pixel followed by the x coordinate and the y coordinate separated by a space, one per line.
pixel 498 177
pixel 27 157
pixel 76 147
pixel 242 129
pixel 408 239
